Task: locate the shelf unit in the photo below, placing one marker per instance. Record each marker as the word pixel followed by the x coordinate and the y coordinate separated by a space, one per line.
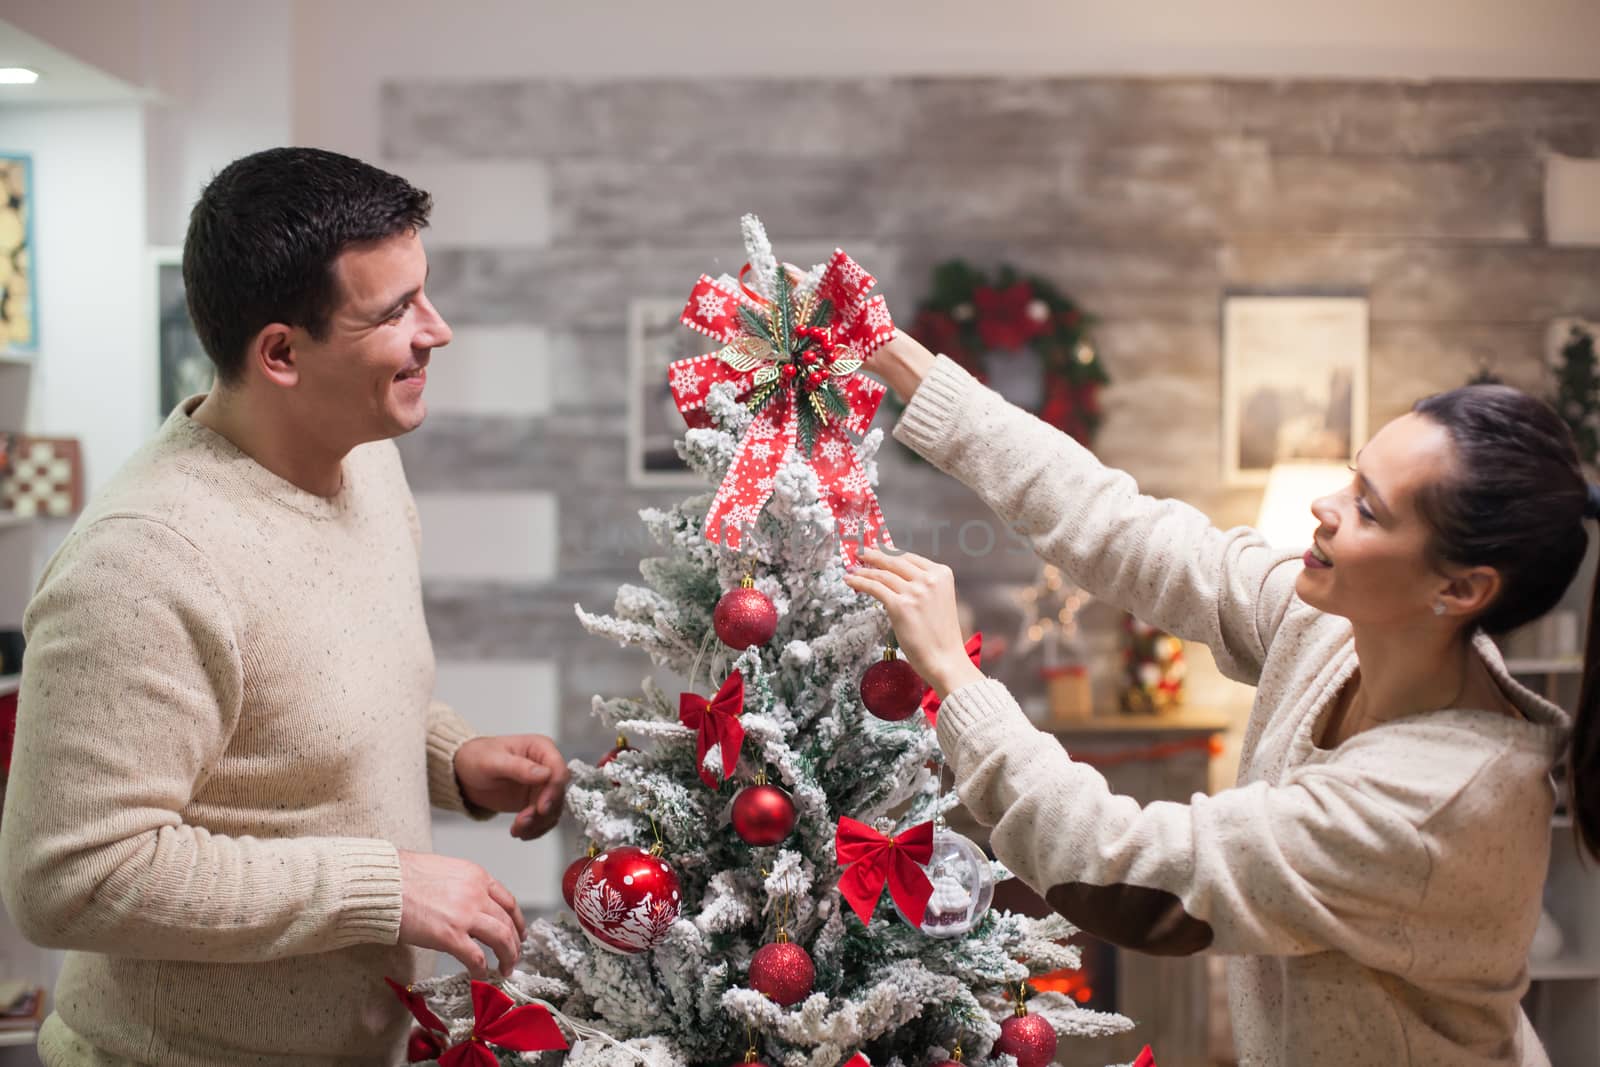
pixel 1563 999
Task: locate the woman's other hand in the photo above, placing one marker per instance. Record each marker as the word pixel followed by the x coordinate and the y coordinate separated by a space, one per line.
pixel 920 597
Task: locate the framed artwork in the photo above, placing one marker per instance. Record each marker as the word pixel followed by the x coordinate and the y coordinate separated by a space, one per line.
pixel 1294 382
pixel 655 339
pixel 182 366
pixel 19 300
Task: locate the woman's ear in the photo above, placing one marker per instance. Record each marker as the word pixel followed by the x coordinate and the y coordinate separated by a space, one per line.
pixel 1470 591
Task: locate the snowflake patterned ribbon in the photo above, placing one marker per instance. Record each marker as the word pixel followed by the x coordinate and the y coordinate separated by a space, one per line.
pixel 873 859
pixel 808 390
pixel 717 720
pixel 497 1021
pixel 930 699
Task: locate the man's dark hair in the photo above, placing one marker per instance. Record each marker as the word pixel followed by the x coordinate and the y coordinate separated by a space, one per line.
pixel 264 235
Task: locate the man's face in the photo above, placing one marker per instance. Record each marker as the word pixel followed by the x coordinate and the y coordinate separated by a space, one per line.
pixel 364 380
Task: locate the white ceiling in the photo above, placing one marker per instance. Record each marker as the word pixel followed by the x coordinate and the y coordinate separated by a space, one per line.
pixel 62 79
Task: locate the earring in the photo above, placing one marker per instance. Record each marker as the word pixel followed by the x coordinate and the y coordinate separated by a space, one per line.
pixel 1438 607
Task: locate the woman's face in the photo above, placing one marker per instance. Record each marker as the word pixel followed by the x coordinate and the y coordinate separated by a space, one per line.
pixel 1368 562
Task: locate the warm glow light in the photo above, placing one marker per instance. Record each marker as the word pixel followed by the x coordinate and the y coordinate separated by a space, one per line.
pixel 18 76
pixel 1286 520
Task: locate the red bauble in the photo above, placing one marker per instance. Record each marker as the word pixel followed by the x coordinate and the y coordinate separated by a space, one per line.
pixel 762 814
pixel 569 880
pixel 783 971
pixel 626 900
pixel 891 690
pixel 621 747
pixel 744 617
pixel 423 1045
pixel 1030 1038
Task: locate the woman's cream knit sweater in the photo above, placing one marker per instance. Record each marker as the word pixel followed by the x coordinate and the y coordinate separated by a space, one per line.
pixel 225 733
pixel 1377 900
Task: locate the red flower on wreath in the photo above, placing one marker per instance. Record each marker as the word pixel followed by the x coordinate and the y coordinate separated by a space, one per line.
pixel 939 332
pixel 1003 315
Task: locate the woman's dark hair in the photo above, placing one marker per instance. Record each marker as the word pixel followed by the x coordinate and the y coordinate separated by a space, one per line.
pixel 264 235
pixel 1516 501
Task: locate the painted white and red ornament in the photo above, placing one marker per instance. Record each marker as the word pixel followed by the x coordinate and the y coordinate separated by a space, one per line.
pixel 569 879
pixel 627 899
pixel 763 814
pixel 891 689
pixel 744 617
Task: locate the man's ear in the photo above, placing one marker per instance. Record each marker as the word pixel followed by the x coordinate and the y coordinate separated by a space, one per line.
pixel 272 353
pixel 1470 591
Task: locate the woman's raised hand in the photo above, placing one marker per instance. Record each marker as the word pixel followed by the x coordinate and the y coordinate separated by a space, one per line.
pixel 920 597
pixel 902 363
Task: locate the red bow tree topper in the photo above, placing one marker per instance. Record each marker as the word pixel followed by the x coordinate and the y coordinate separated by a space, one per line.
pixel 872 859
pixel 717 720
pixel 795 361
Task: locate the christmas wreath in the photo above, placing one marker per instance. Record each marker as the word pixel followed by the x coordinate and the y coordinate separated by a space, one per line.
pixel 969 316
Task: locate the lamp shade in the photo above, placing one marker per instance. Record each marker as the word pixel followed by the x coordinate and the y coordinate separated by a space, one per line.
pixel 1286 520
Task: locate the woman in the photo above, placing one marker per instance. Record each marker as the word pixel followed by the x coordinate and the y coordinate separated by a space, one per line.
pixel 1376 872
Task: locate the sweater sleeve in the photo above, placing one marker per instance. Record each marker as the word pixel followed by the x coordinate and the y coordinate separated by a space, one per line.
pixel 447 732
pixel 131 687
pixel 1330 860
pixel 1160 559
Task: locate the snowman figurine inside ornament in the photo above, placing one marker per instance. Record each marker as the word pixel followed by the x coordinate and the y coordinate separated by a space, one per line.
pixel 963 886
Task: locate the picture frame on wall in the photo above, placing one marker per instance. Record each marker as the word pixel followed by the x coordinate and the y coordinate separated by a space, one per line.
pixel 1294 382
pixel 182 366
pixel 655 339
pixel 19 296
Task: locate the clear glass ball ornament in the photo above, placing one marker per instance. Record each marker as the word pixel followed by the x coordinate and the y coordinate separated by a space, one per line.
pixel 963 886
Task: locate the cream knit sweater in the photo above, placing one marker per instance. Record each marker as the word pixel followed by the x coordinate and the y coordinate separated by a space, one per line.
pixel 225 733
pixel 1378 900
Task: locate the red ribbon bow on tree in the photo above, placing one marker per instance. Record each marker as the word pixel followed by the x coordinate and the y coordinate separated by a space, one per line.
pixel 717 720
pixel 1146 1058
pixel 795 360
pixel 873 859
pixel 417 1005
pixel 495 1020
pixel 930 699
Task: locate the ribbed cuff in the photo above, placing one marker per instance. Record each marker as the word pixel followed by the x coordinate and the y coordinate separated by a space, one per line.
pixel 447 732
pixel 369 904
pixel 979 713
pixel 928 423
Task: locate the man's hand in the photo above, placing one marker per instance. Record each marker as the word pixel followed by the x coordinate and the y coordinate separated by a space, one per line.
pixel 523 773
pixel 450 905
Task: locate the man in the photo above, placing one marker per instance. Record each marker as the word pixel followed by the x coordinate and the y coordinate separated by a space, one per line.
pixel 228 741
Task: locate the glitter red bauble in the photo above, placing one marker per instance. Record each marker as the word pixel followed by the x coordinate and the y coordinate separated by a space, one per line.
pixel 744 617
pixel 1030 1038
pixel 626 900
pixel 423 1045
pixel 569 880
pixel 783 971
pixel 762 815
pixel 621 747
pixel 891 690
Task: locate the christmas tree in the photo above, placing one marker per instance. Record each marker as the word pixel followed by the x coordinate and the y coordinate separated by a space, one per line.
pixel 770 878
